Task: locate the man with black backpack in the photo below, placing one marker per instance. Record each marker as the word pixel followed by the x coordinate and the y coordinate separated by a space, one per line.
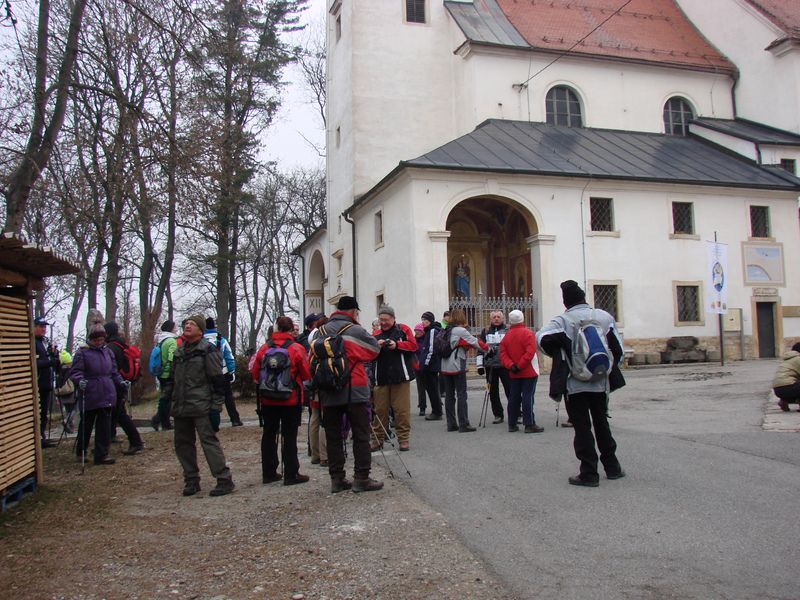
pixel 338 355
pixel 279 370
pixel 129 372
pixel 587 349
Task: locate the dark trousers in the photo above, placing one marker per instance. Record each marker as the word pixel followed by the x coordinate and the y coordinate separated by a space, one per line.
pixel 429 380
pixel 580 407
pixel 162 413
pixel 119 416
pixel 230 404
pixel 522 391
pixel 44 409
pixel 455 399
pixel 360 424
pixel 495 376
pixel 286 421
pixel 789 393
pixel 187 430
pixel 98 419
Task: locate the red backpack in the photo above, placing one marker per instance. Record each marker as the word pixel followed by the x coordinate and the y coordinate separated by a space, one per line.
pixel 132 370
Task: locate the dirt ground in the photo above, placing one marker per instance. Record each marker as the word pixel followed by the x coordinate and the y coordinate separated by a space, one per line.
pixel 125 531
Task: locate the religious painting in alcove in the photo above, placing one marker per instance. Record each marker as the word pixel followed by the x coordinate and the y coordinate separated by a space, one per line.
pixel 461 277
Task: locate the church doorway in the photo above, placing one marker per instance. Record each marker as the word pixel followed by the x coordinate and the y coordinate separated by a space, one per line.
pixel 315 284
pixel 488 251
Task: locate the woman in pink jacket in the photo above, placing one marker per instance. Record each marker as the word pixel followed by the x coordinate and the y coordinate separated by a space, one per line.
pixel 516 352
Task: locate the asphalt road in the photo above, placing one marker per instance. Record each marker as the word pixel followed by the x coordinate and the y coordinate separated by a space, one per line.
pixel 709 508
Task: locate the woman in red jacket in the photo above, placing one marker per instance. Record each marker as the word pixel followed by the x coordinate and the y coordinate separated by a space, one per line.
pixel 516 352
pixel 280 391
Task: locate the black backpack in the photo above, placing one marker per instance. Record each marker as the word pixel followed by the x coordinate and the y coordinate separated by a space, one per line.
pixel 441 343
pixel 275 376
pixel 330 370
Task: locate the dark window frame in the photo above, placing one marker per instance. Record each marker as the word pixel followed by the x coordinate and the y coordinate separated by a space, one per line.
pixel 606 297
pixel 789 164
pixel 601 214
pixel 759 221
pixel 683 218
pixel 677 115
pixel 688 303
pixel 563 107
pixel 416 11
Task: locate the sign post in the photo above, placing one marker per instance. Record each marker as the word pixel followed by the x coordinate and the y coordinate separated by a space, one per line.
pixel 717 286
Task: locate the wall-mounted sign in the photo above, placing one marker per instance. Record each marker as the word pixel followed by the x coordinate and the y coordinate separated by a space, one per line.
pixel 763 263
pixel 765 291
pixel 732 321
pixel 791 311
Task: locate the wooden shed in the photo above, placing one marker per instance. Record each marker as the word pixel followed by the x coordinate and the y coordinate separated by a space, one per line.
pixel 23 267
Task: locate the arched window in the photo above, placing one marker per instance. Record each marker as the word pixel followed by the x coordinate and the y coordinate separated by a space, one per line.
pixel 563 108
pixel 677 114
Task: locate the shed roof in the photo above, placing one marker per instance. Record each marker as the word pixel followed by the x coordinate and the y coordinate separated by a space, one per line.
pixel 750 130
pixel 542 149
pixel 29 259
pixel 652 31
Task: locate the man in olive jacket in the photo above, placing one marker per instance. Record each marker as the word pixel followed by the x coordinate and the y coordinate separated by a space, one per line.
pixel 195 386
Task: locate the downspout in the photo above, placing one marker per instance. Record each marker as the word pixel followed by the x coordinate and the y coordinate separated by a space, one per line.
pixel 353 236
pixel 303 280
pixel 733 92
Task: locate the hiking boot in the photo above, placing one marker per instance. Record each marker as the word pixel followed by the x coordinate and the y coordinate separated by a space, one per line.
pixel 533 429
pixel 271 478
pixel 498 420
pixel 340 485
pixel 237 424
pixel 366 485
pixel 297 479
pixel 191 488
pixel 433 417
pixel 452 428
pixel 155 422
pixel 323 463
pixel 466 429
pixel 583 482
pixel 619 475
pixel 404 447
pixel 376 446
pixel 224 486
pixel 315 461
pixel 133 450
pixel 421 412
pixel 106 460
pixel 784 405
pixel 566 424
pixel 512 428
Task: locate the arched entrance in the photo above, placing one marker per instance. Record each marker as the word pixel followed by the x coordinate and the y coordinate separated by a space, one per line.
pixel 315 284
pixel 488 251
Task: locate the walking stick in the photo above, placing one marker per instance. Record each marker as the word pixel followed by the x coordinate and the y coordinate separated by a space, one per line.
pixel 485 408
pixel 391 443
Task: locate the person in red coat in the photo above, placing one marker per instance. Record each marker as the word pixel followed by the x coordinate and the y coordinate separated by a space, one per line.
pixel 516 353
pixel 282 415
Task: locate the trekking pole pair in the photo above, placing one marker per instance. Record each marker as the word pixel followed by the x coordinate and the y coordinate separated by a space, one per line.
pixel 391 443
pixel 486 398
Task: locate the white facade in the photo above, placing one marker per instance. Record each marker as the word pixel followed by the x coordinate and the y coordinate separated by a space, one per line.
pixel 397 90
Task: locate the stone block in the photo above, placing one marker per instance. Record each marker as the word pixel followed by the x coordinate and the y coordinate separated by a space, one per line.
pixel 652 358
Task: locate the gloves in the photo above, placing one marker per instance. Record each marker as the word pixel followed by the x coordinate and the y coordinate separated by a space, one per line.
pixel 82 385
pixel 514 369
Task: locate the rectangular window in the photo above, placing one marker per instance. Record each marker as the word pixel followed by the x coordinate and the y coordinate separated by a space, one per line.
pixel 601 214
pixel 682 218
pixel 605 298
pixel 790 165
pixel 415 11
pixel 379 228
pixel 759 221
pixel 688 303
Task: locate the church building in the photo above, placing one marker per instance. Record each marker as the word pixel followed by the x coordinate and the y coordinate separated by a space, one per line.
pixel 481 152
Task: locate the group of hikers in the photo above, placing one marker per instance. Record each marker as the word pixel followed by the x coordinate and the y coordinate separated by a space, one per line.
pixel 355 383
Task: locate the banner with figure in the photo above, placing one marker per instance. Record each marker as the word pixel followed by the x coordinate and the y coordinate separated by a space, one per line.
pixel 717 278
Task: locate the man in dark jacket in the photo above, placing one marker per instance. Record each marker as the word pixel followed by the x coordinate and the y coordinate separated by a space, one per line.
pixel 119 414
pixel 394 371
pixel 311 324
pixel 46 362
pixel 360 348
pixel 585 398
pixel 495 373
pixel 196 386
pixel 430 362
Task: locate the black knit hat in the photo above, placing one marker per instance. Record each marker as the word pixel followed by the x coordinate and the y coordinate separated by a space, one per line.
pixel 168 325
pixel 347 303
pixel 210 323
pixel 428 316
pixel 572 293
pixel 112 329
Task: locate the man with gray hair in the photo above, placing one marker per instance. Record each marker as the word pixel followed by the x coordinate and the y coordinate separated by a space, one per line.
pixel 495 372
pixel 394 371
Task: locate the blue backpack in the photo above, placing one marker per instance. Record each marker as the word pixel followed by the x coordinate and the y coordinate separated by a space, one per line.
pixel 155 364
pixel 591 358
pixel 275 375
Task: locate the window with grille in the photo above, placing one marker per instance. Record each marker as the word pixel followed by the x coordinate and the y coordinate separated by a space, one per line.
pixel 688 303
pixel 601 214
pixel 789 164
pixel 677 114
pixel 562 107
pixel 759 221
pixel 379 228
pixel 415 11
pixel 605 298
pixel 682 218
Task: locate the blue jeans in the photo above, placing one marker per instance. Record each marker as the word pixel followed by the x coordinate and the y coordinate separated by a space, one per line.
pixel 522 391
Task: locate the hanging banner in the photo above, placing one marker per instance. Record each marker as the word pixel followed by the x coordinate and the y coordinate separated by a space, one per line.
pixel 717 278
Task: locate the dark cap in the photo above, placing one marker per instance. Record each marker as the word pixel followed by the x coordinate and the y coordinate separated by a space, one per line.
pixel 40 321
pixel 210 323
pixel 312 318
pixel 168 325
pixel 112 329
pixel 571 293
pixel 429 316
pixel 347 303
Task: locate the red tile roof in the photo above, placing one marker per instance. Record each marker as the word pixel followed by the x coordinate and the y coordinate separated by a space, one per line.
pixel 654 31
pixel 783 13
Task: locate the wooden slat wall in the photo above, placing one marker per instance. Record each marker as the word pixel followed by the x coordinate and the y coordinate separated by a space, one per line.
pixel 18 402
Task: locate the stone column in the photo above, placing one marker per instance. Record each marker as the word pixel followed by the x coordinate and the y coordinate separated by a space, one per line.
pixel 545 290
pixel 437 274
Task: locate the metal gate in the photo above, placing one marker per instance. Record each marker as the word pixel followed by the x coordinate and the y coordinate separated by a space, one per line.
pixel 478 309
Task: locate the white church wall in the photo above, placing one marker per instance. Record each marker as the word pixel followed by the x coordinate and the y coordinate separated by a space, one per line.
pixel 738 145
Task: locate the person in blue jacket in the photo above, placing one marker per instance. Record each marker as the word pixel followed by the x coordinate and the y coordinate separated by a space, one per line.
pixel 228 369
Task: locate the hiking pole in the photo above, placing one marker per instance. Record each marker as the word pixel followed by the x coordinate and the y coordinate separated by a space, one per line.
pixel 82 427
pixel 391 443
pixel 130 403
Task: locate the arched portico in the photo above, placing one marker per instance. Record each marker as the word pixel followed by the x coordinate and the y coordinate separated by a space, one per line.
pixel 315 284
